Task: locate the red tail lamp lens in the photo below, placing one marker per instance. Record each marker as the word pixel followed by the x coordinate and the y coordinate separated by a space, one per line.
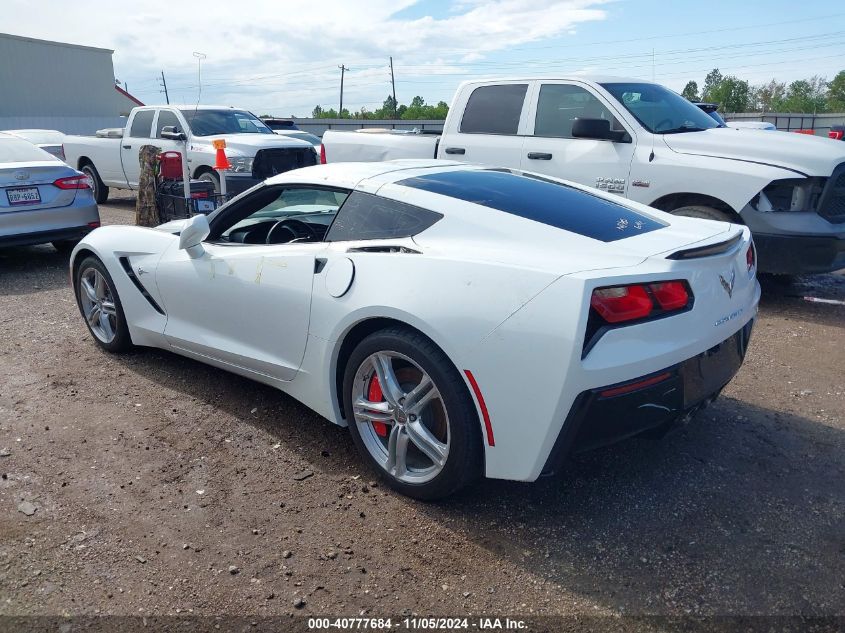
pixel 750 259
pixel 671 295
pixel 621 303
pixel 73 182
pixel 322 154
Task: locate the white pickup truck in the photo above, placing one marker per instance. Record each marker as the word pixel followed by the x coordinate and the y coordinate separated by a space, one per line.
pixel 254 151
pixel 641 140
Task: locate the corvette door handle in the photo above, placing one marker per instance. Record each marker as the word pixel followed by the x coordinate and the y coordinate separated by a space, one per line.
pixel 127 147
pixel 539 156
pixel 319 264
pixel 455 150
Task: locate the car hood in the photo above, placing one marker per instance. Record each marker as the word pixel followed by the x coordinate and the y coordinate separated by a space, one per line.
pixel 809 155
pixel 248 143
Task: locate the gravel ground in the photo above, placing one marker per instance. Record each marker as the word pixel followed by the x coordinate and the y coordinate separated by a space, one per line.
pixel 151 484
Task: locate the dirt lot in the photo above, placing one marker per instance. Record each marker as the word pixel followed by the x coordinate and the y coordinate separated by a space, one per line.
pixel 162 486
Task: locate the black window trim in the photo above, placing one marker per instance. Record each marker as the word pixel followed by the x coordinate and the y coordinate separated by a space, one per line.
pixel 228 210
pixel 157 126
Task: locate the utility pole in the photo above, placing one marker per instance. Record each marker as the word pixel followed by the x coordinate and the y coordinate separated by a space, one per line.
pixel 393 83
pixel 164 84
pixel 343 69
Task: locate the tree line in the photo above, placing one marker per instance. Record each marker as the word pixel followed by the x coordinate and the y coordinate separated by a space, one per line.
pixel 811 96
pixel 390 109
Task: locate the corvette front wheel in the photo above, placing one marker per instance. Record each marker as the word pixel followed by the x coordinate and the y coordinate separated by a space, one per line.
pixel 100 306
pixel 411 415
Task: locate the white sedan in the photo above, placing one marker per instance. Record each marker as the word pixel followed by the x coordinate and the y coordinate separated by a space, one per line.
pixel 461 320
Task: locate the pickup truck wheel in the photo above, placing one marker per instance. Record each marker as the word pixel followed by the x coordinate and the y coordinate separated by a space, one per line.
pixel 101 192
pixel 210 176
pixel 705 213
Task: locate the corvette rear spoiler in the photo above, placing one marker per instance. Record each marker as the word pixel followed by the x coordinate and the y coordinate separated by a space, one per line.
pixel 707 251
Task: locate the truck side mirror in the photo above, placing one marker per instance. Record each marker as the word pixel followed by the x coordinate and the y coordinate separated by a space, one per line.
pixel 596 129
pixel 194 232
pixel 172 134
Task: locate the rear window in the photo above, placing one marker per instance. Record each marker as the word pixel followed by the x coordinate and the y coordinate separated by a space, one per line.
pixel 15 150
pixel 494 109
pixel 368 217
pixel 535 198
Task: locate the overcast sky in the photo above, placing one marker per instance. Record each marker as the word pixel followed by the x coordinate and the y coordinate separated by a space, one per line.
pixel 281 57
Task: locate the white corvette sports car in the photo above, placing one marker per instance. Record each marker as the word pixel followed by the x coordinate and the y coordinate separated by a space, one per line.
pixel 461 320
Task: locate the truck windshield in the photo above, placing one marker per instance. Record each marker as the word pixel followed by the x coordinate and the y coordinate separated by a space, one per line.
pixel 211 122
pixel 658 109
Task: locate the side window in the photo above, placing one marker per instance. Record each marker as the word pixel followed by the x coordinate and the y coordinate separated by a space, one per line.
pixel 279 215
pixel 494 109
pixel 165 118
pixel 560 104
pixel 369 217
pixel 142 124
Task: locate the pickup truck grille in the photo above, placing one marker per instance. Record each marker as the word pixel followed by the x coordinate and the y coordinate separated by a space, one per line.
pixel 269 162
pixel 832 201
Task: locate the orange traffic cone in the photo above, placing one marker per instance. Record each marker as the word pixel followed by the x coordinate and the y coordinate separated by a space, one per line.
pixel 221 163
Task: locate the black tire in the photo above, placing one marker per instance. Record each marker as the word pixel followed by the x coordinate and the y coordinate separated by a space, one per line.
pixel 210 176
pixel 464 463
pixel 703 212
pixel 122 341
pixel 101 192
pixel 65 246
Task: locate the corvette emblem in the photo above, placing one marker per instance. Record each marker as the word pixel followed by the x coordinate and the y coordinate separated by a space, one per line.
pixel 21 175
pixel 728 285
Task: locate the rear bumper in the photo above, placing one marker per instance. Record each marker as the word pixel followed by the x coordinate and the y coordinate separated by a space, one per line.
pixel 43 237
pixel 608 414
pixel 795 255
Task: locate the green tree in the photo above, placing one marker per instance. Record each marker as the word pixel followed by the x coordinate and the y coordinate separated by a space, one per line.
pixel 732 94
pixel 711 81
pixel 317 112
pixel 768 97
pixel 806 95
pixel 836 93
pixel 690 92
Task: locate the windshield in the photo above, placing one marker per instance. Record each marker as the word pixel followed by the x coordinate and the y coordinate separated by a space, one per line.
pixel 211 122
pixel 658 109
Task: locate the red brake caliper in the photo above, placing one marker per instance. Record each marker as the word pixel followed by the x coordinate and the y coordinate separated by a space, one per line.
pixel 374 394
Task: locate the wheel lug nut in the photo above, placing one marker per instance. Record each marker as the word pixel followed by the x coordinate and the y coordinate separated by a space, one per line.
pixel 412 418
pixel 401 400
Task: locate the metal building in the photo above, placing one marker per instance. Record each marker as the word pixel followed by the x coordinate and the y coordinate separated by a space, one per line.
pixel 57 86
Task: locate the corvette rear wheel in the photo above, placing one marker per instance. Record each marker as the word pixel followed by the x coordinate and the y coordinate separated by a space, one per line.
pixel 100 306
pixel 411 415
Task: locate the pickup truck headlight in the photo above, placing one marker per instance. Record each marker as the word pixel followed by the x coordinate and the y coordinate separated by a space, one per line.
pixel 241 164
pixel 790 194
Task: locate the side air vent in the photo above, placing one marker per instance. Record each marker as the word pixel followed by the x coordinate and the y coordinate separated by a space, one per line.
pixel 707 251
pixel 124 262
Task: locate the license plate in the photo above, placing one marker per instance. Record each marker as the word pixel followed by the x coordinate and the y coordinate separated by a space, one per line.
pixel 23 195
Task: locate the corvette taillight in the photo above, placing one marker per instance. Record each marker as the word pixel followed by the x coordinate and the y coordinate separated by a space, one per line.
pixel 750 258
pixel 670 295
pixel 322 154
pixel 619 304
pixel 72 182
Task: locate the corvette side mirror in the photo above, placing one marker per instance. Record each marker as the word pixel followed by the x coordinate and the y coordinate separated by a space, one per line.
pixel 195 231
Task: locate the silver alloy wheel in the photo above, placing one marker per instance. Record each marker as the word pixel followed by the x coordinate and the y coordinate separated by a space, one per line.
pixel 413 445
pixel 92 183
pixel 97 303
